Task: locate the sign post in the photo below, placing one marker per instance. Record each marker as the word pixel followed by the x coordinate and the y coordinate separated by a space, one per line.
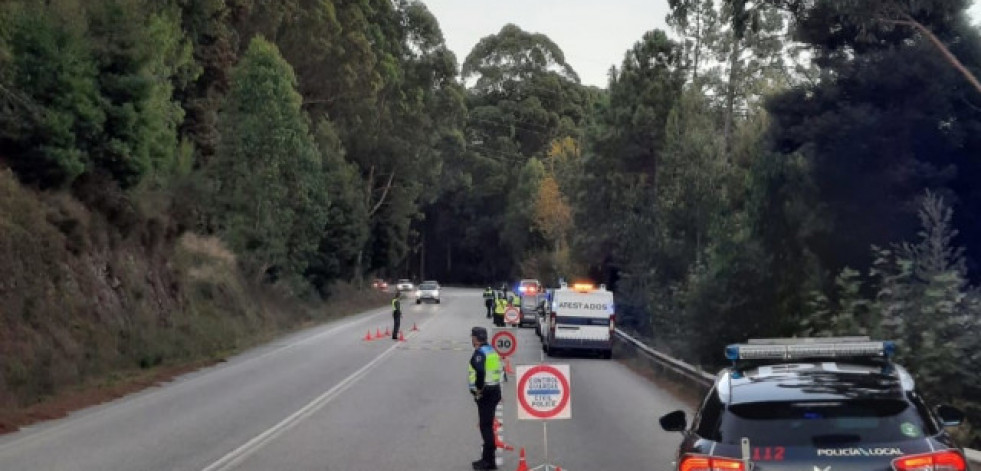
pixel 544 393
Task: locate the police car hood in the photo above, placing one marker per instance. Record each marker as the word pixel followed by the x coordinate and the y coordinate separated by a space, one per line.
pixel 837 457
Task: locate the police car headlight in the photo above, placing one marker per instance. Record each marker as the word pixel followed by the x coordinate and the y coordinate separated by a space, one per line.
pixel 418 293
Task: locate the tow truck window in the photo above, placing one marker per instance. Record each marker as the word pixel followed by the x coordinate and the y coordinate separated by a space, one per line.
pixel 822 424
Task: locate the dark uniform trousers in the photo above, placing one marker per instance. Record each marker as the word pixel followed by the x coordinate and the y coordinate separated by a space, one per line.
pixel 490 306
pixel 397 316
pixel 486 406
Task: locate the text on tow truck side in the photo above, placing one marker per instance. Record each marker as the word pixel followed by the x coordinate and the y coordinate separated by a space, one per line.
pixel 821 404
pixel 582 317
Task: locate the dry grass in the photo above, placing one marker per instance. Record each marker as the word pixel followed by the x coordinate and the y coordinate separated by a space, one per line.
pixel 95 306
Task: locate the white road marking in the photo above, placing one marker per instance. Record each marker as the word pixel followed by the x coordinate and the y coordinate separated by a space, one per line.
pixel 236 456
pixel 179 383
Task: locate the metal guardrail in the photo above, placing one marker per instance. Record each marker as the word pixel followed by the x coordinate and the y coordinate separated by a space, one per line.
pixel 705 379
pixel 693 374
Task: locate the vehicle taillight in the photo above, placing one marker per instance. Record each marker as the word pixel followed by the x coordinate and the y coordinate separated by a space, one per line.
pixel 551 320
pixel 708 463
pixel 938 461
pixel 613 320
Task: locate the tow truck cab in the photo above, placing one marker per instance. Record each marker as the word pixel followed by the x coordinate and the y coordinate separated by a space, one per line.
pixel 581 317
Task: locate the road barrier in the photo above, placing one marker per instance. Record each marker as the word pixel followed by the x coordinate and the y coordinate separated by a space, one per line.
pixel 700 380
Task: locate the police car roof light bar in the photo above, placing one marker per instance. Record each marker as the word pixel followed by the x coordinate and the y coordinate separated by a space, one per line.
pixel 811 349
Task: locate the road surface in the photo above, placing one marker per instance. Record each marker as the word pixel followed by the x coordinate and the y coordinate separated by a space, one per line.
pixel 325 399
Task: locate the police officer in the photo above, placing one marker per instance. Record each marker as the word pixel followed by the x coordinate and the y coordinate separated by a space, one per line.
pixel 489 300
pixel 485 386
pixel 396 314
pixel 500 305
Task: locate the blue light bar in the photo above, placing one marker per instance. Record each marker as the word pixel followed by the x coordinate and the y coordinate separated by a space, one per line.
pixel 791 349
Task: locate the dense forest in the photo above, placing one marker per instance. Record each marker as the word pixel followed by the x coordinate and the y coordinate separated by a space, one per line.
pixel 763 168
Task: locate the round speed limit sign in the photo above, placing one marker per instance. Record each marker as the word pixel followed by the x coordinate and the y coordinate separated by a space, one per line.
pixel 504 342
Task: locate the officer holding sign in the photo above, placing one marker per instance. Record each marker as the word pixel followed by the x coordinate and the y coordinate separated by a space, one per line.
pixel 485 386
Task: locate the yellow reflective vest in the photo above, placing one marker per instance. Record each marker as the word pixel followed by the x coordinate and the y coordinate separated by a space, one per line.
pixel 493 368
pixel 500 305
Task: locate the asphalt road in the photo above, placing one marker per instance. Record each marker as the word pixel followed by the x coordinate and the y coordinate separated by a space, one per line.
pixel 327 400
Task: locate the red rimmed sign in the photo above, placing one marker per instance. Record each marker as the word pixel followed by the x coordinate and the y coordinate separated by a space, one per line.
pixel 544 392
pixel 504 342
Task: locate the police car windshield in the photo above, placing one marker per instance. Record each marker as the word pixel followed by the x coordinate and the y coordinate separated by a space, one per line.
pixel 823 424
pixel 426 286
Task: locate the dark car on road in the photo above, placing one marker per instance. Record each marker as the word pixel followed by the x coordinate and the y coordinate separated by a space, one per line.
pixel 532 307
pixel 816 405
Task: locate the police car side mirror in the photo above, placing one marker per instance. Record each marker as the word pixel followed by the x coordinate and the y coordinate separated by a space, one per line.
pixel 950 416
pixel 674 421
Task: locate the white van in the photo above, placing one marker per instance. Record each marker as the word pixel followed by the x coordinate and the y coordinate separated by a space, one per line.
pixel 580 318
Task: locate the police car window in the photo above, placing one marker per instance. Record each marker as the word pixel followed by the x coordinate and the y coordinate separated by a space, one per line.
pixel 822 423
pixel 707 421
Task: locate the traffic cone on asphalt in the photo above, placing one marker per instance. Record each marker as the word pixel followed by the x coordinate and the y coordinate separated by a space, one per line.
pixel 388 333
pixel 401 336
pixel 414 328
pixel 367 337
pixel 507 365
pixel 498 442
pixel 378 333
pixel 522 464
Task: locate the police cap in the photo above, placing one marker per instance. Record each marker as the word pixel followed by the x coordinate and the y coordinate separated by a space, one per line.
pixel 479 333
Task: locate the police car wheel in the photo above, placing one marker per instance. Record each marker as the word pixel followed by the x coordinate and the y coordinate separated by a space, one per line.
pixel 418 301
pixel 437 301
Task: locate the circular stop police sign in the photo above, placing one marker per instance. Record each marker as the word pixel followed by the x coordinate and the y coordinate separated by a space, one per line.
pixel 544 392
pixel 512 315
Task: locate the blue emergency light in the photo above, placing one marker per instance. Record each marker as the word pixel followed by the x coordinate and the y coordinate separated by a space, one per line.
pixel 810 348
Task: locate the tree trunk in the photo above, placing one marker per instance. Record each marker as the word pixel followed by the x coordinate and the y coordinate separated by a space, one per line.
pixel 422 258
pixel 698 42
pixel 731 95
pixel 358 276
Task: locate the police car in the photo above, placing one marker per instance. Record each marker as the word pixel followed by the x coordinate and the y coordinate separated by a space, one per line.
pixel 832 404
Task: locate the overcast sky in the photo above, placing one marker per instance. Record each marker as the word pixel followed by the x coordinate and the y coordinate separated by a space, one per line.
pixel 594 34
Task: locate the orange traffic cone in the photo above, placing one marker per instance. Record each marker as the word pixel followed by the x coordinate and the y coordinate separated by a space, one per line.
pixel 401 336
pixel 507 365
pixel 414 328
pixel 378 333
pixel 388 333
pixel 367 337
pixel 522 464
pixel 498 443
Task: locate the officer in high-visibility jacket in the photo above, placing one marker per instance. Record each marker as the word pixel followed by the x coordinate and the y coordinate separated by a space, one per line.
pixel 500 305
pixel 489 300
pixel 396 314
pixel 485 370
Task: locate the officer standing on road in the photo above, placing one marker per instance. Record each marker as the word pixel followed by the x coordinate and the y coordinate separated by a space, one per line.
pixel 485 386
pixel 396 314
pixel 489 300
pixel 500 305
